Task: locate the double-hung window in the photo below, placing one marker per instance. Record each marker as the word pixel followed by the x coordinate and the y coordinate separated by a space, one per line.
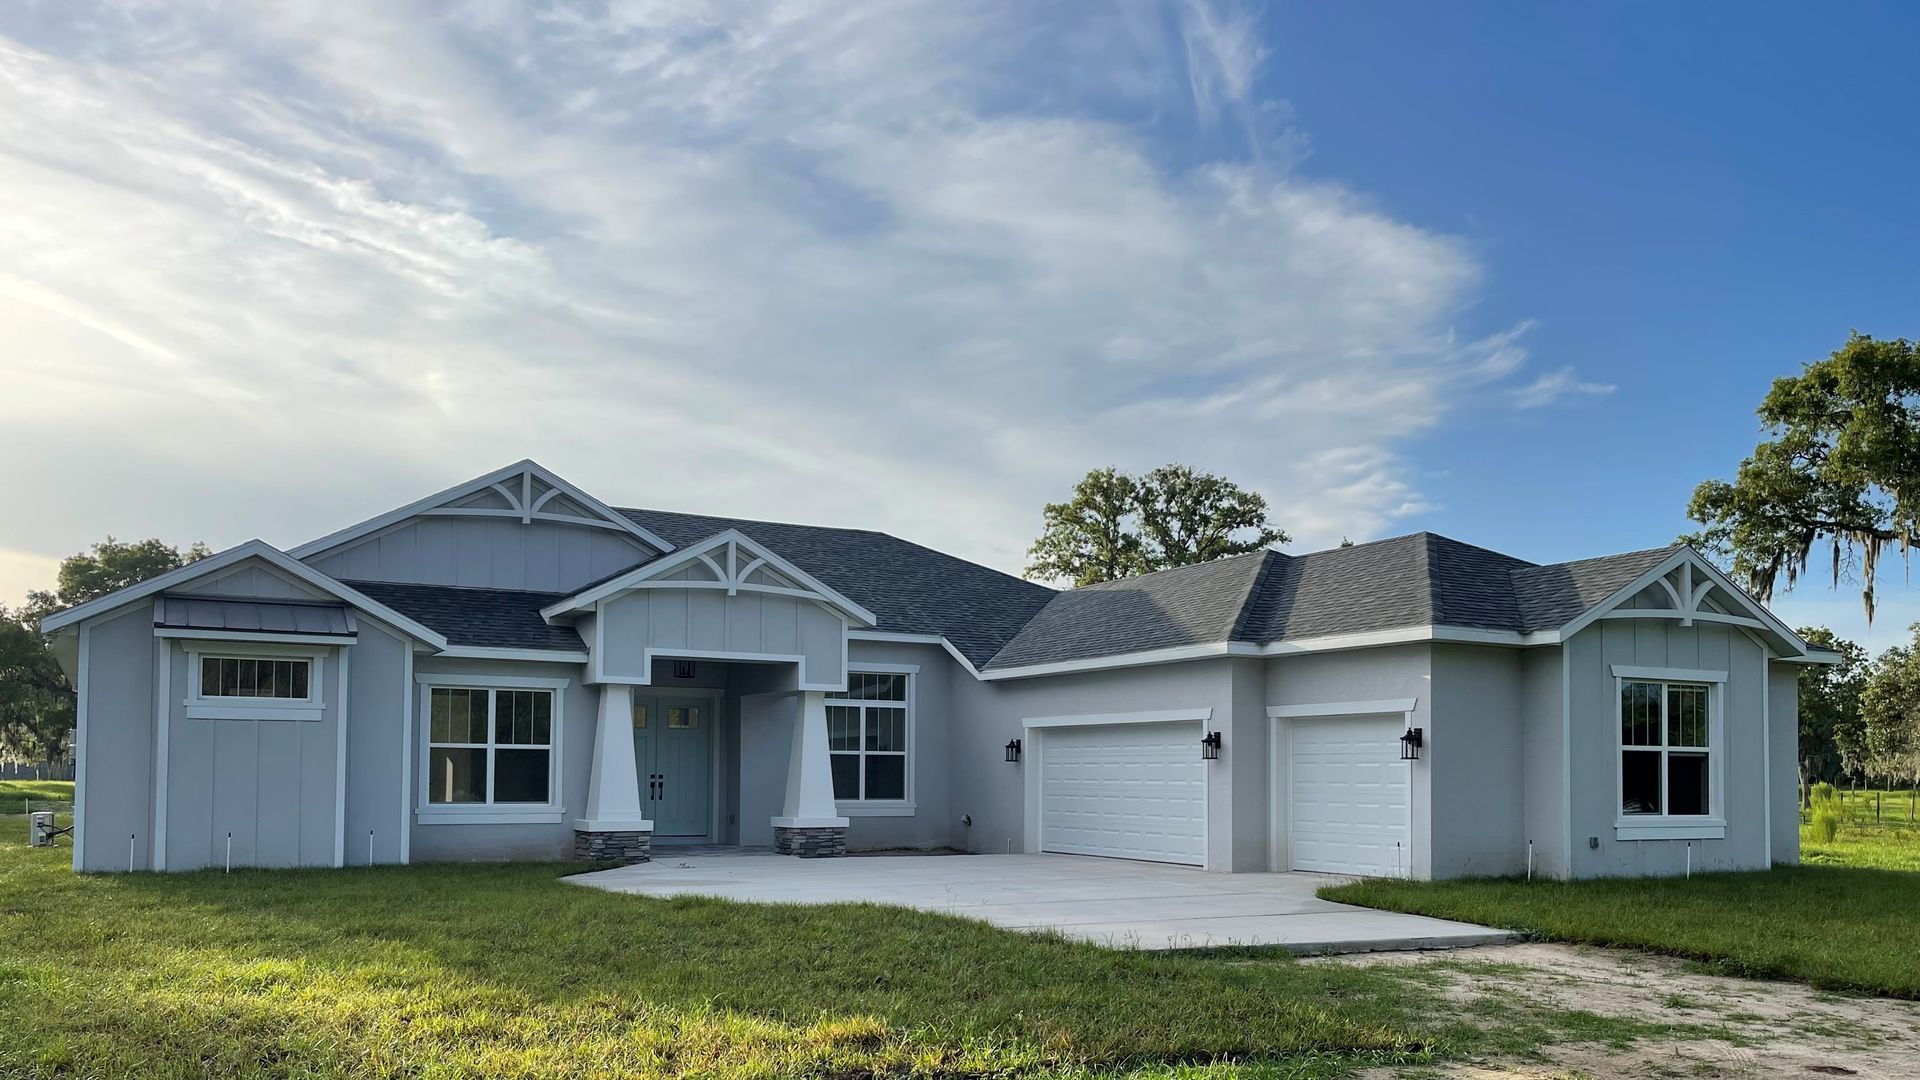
pixel 868 725
pixel 1666 749
pixel 489 746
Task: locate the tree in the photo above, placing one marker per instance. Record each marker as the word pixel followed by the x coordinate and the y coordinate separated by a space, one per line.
pixel 1890 714
pixel 1831 742
pixel 1091 537
pixel 111 565
pixel 1841 468
pixel 36 698
pixel 1117 525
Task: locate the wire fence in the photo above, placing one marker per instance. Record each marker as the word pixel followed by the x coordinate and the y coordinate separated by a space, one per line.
pixel 1894 809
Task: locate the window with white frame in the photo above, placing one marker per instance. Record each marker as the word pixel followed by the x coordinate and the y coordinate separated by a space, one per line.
pixel 489 746
pixel 867 731
pixel 1666 749
pixel 261 677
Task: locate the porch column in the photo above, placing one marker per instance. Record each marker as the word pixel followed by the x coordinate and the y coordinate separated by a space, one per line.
pixel 615 826
pixel 810 826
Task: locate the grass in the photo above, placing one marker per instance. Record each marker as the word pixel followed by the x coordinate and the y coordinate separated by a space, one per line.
pixel 1842 928
pixel 15 794
pixel 506 971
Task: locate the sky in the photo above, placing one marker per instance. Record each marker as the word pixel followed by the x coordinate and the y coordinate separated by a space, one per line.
pixel 1516 274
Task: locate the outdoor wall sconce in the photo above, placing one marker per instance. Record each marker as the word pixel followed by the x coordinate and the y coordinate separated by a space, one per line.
pixel 1013 750
pixel 1410 745
pixel 1210 747
pixel 683 669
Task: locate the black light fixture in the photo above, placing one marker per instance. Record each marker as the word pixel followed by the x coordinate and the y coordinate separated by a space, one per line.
pixel 1210 747
pixel 1013 749
pixel 1410 745
pixel 683 669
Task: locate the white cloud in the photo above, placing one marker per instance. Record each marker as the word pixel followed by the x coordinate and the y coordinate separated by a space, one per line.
pixel 1555 387
pixel 911 266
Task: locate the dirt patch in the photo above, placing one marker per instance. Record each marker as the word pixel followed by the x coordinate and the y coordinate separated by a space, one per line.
pixel 1719 1026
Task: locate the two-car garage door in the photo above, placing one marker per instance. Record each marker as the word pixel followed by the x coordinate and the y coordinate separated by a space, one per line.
pixel 1129 791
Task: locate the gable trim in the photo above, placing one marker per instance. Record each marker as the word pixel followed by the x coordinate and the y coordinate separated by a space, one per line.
pixel 252 549
pixel 514 483
pixel 1757 614
pixel 647 574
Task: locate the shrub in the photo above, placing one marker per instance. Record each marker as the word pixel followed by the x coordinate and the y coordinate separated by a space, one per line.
pixel 1823 796
pixel 1826 824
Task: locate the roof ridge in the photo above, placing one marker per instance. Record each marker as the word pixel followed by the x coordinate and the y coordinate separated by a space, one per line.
pixel 1433 580
pixel 1601 558
pixel 1172 569
pixel 1250 603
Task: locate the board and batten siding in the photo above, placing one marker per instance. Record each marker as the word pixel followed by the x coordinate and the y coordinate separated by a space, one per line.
pixel 116 800
pixel 695 621
pixel 492 552
pixel 1594 797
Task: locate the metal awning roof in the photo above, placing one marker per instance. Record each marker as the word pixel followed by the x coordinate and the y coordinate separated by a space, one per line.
pixel 254 616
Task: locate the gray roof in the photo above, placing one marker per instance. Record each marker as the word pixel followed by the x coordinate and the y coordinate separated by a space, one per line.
pixel 188 612
pixel 909 588
pixel 1187 605
pixel 488 618
pixel 1423 579
pixel 1555 595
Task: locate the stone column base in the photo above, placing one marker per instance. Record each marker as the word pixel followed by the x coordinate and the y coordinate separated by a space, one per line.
pixel 816 843
pixel 620 847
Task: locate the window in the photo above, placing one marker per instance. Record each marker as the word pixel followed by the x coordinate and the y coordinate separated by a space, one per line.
pixel 489 746
pixel 1666 756
pixel 867 736
pixel 255 677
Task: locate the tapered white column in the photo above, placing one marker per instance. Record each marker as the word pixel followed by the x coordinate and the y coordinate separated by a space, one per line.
pixel 809 803
pixel 613 789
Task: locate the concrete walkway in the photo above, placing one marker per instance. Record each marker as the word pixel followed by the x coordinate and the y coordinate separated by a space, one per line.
pixel 1110 902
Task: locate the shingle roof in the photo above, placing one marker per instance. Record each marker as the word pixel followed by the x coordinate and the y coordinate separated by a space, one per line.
pixel 1552 596
pixel 909 588
pixel 1187 605
pixel 490 618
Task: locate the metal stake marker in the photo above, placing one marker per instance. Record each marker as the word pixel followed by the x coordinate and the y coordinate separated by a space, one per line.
pixel 229 853
pixel 1529 860
pixel 369 847
pixel 129 853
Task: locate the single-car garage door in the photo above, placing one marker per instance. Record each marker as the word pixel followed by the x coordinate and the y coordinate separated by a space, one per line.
pixel 1347 795
pixel 1129 791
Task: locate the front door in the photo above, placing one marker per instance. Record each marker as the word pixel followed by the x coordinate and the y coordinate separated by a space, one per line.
pixel 672 748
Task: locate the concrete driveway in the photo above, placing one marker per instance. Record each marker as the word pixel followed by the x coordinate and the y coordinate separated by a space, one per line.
pixel 1110 902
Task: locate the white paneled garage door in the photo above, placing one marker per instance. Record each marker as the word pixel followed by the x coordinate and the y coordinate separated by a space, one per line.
pixel 1129 791
pixel 1347 795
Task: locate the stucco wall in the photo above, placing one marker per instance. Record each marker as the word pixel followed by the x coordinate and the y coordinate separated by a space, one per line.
pixel 932 746
pixel 1783 699
pixel 1543 764
pixel 1595 719
pixel 1386 673
pixel 1473 761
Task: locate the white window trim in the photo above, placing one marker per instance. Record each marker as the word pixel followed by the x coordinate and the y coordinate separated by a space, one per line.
pixel 550 812
pixel 1665 826
pixel 902 807
pixel 199 706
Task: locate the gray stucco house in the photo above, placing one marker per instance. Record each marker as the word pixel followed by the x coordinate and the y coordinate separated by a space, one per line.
pixel 512 668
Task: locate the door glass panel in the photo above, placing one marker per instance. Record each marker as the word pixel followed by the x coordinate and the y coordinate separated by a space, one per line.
pixel 886 776
pixel 639 715
pixel 456 775
pixel 683 716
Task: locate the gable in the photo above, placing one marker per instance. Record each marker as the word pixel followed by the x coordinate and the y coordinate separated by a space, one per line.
pixel 521 527
pixel 1686 590
pixel 729 564
pixel 255 579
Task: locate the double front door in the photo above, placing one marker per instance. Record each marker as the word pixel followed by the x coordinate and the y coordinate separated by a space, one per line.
pixel 673 750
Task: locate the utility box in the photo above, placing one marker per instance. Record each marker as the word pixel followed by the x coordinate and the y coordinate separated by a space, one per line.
pixel 40 831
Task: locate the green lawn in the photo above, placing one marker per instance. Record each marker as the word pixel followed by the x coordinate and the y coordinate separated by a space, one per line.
pixel 505 971
pixel 1840 927
pixel 14 794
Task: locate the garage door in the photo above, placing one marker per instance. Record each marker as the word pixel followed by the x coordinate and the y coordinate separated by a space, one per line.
pixel 1347 795
pixel 1129 791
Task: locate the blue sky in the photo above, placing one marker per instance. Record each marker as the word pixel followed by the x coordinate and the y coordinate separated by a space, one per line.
pixel 1518 274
